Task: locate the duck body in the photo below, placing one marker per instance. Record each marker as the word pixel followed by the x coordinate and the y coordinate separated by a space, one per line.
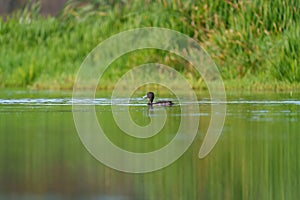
pixel 162 103
pixel 150 96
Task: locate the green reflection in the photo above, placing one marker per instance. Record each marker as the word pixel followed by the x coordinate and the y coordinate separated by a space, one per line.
pixel 257 156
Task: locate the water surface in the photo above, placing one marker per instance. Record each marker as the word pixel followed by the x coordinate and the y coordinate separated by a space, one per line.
pixel 256 157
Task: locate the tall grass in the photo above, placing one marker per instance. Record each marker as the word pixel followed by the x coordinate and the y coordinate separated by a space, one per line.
pixel 249 40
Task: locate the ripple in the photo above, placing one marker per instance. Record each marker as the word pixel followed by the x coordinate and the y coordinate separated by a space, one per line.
pixel 130 101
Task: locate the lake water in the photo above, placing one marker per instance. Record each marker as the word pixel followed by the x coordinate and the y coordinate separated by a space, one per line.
pixel 256 157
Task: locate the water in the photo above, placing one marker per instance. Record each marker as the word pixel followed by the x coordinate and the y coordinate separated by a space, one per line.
pixel 256 157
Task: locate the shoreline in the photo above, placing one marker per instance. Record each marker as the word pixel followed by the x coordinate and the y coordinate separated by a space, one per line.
pixel 230 86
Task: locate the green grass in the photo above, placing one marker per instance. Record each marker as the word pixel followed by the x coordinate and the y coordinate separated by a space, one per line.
pixel 254 43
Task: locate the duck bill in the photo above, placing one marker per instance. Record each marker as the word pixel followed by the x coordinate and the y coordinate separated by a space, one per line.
pixel 144 97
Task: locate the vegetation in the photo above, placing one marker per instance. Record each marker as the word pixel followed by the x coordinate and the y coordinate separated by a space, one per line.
pixel 254 43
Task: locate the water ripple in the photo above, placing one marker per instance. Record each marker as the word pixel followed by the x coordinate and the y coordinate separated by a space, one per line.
pixel 130 101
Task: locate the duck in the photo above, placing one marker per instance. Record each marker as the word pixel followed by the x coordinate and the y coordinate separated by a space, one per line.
pixel 150 96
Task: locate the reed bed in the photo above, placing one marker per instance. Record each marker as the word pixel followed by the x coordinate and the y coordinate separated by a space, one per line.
pixel 252 42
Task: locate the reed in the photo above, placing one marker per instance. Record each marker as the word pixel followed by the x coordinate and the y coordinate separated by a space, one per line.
pixel 247 39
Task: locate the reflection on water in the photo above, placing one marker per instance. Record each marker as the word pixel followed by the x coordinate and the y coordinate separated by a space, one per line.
pixel 41 156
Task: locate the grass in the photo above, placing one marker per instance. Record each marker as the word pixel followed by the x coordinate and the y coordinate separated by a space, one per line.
pixel 254 43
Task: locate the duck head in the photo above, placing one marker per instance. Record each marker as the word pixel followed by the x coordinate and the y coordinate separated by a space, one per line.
pixel 150 96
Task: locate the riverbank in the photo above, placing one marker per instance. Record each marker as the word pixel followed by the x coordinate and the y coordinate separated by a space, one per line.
pixel 254 44
pixel 230 86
